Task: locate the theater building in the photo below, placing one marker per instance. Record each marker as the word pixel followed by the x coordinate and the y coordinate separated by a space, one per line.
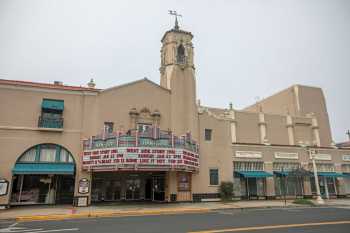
pixel 144 141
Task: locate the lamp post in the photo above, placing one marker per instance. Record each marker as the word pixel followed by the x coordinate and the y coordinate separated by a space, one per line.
pixel 312 154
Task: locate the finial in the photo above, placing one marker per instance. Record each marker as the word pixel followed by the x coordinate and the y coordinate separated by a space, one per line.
pixel 176 27
pixel 91 84
pixel 231 106
pixel 348 133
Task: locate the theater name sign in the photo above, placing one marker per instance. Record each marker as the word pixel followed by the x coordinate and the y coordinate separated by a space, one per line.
pixel 140 158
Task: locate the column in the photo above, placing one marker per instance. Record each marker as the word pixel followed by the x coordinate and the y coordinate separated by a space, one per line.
pixel 315 130
pixel 262 126
pixel 306 181
pixel 340 181
pixel 270 182
pixel 290 129
pixel 233 124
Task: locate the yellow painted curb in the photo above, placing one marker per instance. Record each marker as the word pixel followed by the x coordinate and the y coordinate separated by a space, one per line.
pixel 109 214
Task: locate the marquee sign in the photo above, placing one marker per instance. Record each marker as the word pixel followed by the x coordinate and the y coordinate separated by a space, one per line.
pixel 140 158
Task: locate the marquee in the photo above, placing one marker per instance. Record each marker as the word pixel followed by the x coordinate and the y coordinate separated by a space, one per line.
pixel 134 158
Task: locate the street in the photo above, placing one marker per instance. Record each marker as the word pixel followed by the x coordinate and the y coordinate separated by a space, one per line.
pixel 317 219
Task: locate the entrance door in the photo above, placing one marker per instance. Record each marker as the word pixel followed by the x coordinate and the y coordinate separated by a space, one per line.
pixel 158 188
pixel 251 188
pixel 113 190
pixel 148 189
pixel 132 189
pixel 65 189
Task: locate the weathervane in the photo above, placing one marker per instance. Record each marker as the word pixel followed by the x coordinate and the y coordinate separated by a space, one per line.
pixel 176 15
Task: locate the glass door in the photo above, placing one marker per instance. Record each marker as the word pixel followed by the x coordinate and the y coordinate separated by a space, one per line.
pixel 132 189
pixel 158 188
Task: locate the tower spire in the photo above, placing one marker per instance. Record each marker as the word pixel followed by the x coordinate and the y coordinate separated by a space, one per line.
pixel 174 13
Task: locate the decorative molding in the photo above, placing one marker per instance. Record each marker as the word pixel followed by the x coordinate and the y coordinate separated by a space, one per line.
pixel 286 155
pixel 324 157
pixel 346 157
pixel 248 154
pixel 37 129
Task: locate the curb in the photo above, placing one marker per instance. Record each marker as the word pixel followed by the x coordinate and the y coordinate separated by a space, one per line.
pixel 135 213
pixel 109 214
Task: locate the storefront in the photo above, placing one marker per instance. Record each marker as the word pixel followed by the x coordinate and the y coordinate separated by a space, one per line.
pixel 44 174
pixel 128 186
pixel 289 179
pixel 252 179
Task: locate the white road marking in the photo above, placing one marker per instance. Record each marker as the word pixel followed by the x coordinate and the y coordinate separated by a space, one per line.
pixel 55 230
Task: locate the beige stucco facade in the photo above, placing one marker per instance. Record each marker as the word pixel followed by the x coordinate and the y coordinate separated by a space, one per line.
pixel 268 132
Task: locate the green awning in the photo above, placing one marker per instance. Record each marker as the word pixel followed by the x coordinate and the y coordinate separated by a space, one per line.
pixel 256 174
pixel 280 173
pixel 346 175
pixel 53 104
pixel 330 174
pixel 44 168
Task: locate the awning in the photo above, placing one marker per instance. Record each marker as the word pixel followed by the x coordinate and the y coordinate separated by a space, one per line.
pixel 53 104
pixel 44 168
pixel 346 175
pixel 256 174
pixel 280 173
pixel 330 174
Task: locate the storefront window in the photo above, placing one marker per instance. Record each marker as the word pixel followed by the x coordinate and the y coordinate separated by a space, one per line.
pixel 48 153
pixel 29 156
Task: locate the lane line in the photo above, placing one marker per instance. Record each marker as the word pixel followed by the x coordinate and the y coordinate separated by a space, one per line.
pixel 272 227
pixel 55 230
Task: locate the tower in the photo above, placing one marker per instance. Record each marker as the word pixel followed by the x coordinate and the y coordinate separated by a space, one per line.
pixel 178 74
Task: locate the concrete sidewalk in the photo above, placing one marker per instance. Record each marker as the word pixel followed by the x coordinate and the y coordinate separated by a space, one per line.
pixel 31 213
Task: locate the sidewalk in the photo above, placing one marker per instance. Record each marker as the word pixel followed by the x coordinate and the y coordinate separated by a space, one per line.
pixel 31 213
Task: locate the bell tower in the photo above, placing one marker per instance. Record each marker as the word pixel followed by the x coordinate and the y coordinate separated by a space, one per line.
pixel 177 73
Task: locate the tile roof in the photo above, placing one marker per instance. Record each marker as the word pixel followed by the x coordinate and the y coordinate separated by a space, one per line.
pixel 46 85
pixel 344 144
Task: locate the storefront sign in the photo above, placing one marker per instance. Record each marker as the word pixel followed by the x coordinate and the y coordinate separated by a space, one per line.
pixel 249 154
pixel 285 155
pixel 82 201
pixel 346 157
pixel 4 184
pixel 84 185
pixel 321 157
pixel 140 157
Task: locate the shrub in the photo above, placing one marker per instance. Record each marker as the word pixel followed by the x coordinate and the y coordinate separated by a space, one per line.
pixel 226 190
pixel 303 202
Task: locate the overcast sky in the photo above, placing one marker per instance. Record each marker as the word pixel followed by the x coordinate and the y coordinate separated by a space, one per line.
pixel 243 48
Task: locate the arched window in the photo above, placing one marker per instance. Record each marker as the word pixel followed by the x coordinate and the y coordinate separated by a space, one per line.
pixel 181 57
pixel 46 153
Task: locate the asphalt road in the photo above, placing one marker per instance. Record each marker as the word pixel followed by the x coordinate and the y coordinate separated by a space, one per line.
pixel 309 220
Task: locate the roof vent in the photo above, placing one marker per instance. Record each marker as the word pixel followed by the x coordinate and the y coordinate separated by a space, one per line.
pixel 58 83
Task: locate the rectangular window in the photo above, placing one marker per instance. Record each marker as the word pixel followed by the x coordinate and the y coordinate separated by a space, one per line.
pixel 48 153
pixel 214 176
pixel 208 134
pixel 109 127
pixel 248 166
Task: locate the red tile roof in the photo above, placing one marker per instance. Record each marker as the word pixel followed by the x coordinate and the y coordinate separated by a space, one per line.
pixel 46 85
pixel 344 144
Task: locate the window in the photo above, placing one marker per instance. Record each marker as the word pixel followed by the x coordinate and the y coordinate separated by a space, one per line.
pixel 248 166
pixel 322 167
pixel 48 153
pixel 109 127
pixel 214 176
pixel 51 114
pixel 207 134
pixel 28 156
pixel 181 54
pixel 286 166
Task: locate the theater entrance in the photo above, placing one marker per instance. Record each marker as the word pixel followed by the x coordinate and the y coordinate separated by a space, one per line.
pixel 128 186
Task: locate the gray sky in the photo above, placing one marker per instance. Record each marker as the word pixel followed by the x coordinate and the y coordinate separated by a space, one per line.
pixel 243 48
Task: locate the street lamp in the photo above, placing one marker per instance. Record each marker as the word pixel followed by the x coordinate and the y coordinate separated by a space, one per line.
pixel 312 154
